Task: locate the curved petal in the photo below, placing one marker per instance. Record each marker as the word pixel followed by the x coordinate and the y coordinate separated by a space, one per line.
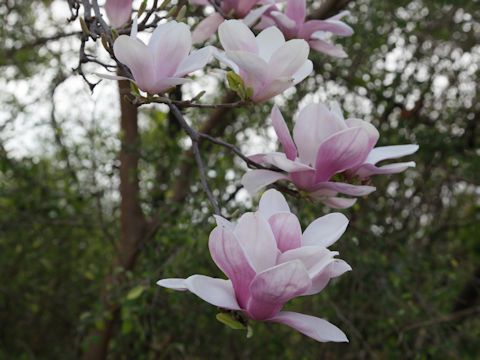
pixel 218 292
pixel 314 124
pixel 221 221
pixel 333 269
pixel 257 241
pixel 138 58
pixel 170 44
pixel 316 328
pixel 269 41
pixel 285 24
pixel 235 35
pixel 339 202
pixel 390 152
pixel 215 291
pixel 221 57
pixel 118 12
pixel 196 60
pixel 112 77
pixel 327 48
pixel 343 150
pixel 288 58
pixel 287 230
pixel 371 130
pixel 207 27
pixel 343 188
pixel 315 258
pixel 273 88
pixel 254 67
pixel 333 26
pixel 280 160
pixel 283 133
pixel 325 230
pixel 296 10
pixel 255 14
pixel 305 70
pixel 255 180
pixel 230 257
pixel 272 202
pixel 275 286
pixel 367 170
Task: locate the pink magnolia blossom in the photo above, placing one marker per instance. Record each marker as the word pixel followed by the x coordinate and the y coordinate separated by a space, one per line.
pixel 238 8
pixel 118 12
pixel 267 63
pixel 164 61
pixel 269 261
pixel 293 25
pixel 326 145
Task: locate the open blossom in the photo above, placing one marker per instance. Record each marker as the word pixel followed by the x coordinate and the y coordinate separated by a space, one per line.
pixel 236 8
pixel 267 63
pixel 118 12
pixel 164 61
pixel 269 261
pixel 293 25
pixel 325 145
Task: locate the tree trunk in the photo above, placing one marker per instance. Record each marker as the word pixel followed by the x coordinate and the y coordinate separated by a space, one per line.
pixel 132 224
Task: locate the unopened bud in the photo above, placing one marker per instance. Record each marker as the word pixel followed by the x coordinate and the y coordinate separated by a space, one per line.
pixel 163 5
pixel 142 8
pixel 84 26
pixel 172 11
pixel 105 42
pixel 181 13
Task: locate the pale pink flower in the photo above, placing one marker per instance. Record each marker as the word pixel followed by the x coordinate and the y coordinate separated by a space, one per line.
pixel 267 63
pixel 162 63
pixel 327 144
pixel 269 261
pixel 118 12
pixel 293 25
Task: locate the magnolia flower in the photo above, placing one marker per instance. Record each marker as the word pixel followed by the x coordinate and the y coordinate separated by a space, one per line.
pixel 269 261
pixel 237 8
pixel 164 61
pixel 118 11
pixel 327 144
pixel 293 25
pixel 266 63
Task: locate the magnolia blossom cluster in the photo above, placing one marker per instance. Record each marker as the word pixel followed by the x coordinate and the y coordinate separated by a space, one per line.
pixel 266 257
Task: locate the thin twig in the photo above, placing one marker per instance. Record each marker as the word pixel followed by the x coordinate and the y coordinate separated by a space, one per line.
pixel 139 101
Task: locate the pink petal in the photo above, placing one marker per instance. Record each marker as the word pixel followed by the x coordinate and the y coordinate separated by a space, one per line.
pixel 196 60
pixel 112 77
pixel 333 26
pixel 235 35
pixel 255 14
pixel 325 230
pixel 287 231
pixel 296 10
pixel 327 48
pixel 339 203
pixel 269 41
pixel 316 328
pixel 314 124
pixel 170 44
pixel 371 130
pixel 304 179
pixel 280 160
pixel 367 170
pixel 230 257
pixel 333 269
pixel 305 70
pixel 288 59
pixel 223 222
pixel 283 133
pixel 273 88
pixel 272 202
pixel 243 7
pixel 217 292
pixel 285 24
pixel 275 286
pixel 118 12
pixel 255 69
pixel 255 180
pixel 390 152
pixel 163 84
pixel 343 188
pixel 257 241
pixel 138 58
pixel 207 27
pixel 315 258
pixel 343 150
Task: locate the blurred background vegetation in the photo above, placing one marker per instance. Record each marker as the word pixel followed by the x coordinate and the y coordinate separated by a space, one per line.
pixel 414 244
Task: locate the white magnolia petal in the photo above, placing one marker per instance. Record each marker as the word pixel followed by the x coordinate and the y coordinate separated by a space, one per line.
pixel 390 152
pixel 272 202
pixel 269 41
pixel 236 36
pixel 196 60
pixel 218 292
pixel 255 180
pixel 207 27
pixel 325 230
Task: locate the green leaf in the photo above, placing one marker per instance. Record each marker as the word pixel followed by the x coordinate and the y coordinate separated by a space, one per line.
pixel 230 321
pixel 135 292
pixel 235 82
